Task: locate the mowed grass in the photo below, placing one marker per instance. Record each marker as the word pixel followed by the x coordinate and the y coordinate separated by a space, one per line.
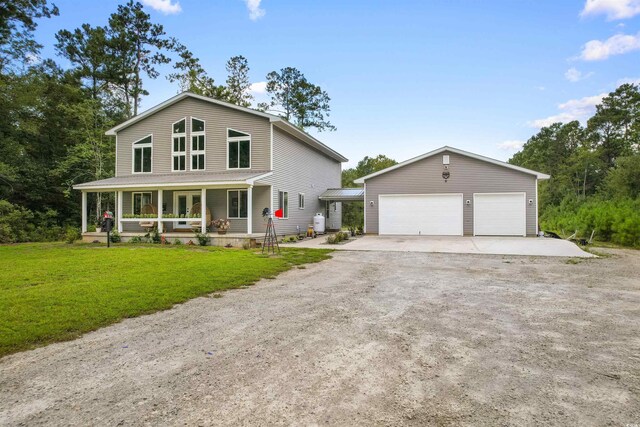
pixel 55 292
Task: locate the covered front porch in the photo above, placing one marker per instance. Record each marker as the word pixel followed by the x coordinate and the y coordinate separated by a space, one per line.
pixel 179 211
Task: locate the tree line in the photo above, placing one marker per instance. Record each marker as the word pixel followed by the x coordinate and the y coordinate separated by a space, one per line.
pixel 595 171
pixel 53 119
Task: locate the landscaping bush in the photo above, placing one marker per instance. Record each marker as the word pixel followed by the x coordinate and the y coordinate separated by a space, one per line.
pixel 115 237
pixel 153 236
pixel 138 239
pixel 337 238
pixel 203 239
pixel 72 234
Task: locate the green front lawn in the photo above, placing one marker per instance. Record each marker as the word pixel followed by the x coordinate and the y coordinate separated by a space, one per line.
pixel 54 292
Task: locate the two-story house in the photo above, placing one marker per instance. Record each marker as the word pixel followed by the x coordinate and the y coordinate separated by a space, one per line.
pixel 192 158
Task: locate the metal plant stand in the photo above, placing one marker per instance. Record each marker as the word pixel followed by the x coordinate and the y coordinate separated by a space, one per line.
pixel 270 243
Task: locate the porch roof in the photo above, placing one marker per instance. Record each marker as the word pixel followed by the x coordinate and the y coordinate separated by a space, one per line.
pixel 343 195
pixel 192 179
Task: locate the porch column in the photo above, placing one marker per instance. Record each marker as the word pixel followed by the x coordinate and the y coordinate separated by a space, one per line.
pixel 119 199
pixel 84 211
pixel 203 209
pixel 250 209
pixel 160 210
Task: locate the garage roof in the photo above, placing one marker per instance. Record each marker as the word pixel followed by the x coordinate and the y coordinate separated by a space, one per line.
pixel 538 175
pixel 343 194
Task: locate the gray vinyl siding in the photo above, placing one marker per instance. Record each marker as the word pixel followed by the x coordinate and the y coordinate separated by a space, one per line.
pixel 298 168
pixel 468 176
pixel 217 119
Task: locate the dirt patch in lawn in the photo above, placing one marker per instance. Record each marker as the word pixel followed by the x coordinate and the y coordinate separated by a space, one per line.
pixel 365 338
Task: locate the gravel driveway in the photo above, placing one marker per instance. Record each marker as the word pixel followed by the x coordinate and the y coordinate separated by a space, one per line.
pixel 367 338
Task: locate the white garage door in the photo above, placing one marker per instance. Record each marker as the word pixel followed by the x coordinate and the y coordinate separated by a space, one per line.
pixel 499 214
pixel 421 214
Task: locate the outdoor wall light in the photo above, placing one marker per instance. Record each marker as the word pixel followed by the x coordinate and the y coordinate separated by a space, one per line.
pixel 467 202
pixel 370 202
pixel 530 202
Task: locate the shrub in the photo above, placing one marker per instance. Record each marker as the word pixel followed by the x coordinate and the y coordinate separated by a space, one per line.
pixel 72 234
pixel 153 236
pixel 138 239
pixel 177 242
pixel 337 238
pixel 203 239
pixel 616 221
pixel 15 223
pixel 115 237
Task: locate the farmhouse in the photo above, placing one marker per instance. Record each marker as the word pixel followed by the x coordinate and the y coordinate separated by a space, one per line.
pixel 193 159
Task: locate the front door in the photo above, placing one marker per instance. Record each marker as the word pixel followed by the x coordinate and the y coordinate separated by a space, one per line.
pixel 183 201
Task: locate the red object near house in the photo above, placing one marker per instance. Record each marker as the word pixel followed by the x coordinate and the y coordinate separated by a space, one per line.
pixel 278 213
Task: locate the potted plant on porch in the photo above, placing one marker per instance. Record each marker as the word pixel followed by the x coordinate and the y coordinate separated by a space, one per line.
pixel 222 225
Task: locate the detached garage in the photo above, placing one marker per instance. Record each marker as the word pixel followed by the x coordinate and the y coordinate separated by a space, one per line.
pixel 451 192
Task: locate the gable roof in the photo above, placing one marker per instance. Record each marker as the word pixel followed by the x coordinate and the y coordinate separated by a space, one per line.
pixel 275 120
pixel 538 175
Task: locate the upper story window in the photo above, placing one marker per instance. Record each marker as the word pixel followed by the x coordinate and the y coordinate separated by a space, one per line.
pixel 179 146
pixel 142 153
pixel 239 150
pixel 198 141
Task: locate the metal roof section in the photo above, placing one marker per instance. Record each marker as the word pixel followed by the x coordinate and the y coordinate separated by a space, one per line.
pixel 538 175
pixel 276 120
pixel 197 180
pixel 343 195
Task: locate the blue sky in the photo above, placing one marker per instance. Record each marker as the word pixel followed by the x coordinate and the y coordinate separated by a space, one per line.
pixel 406 77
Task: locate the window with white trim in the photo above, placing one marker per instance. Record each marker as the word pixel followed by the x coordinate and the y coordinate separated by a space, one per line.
pixel 198 141
pixel 179 146
pixel 238 150
pixel 142 153
pixel 237 203
pixel 300 200
pixel 283 203
pixel 138 200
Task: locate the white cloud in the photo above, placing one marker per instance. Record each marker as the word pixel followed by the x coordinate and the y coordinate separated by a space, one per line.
pixel 258 88
pixel 33 58
pixel 164 6
pixel 629 80
pixel 574 75
pixel 596 50
pixel 255 12
pixel 614 9
pixel 513 145
pixel 574 109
